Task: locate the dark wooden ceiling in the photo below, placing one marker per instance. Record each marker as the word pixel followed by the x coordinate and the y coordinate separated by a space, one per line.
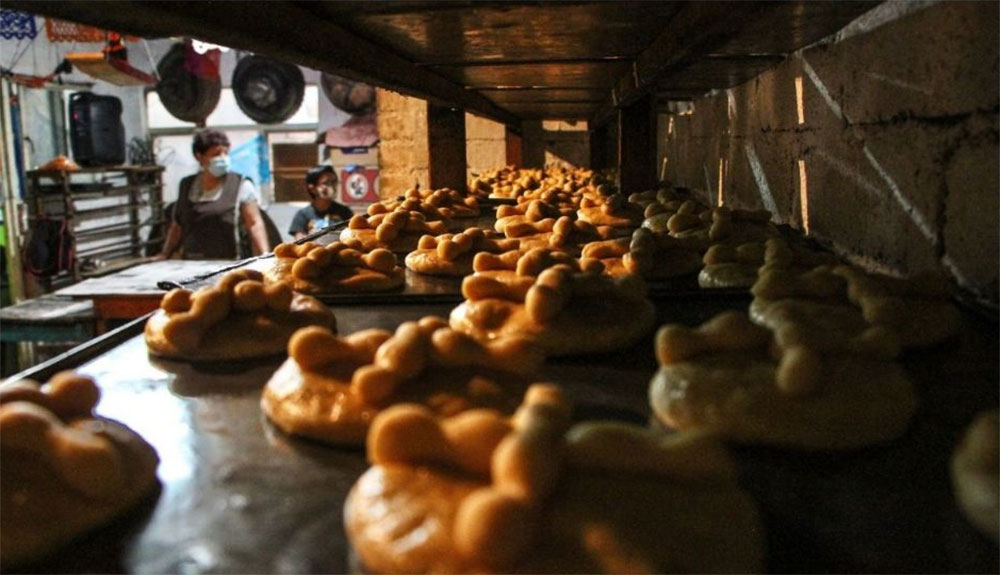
pixel 509 61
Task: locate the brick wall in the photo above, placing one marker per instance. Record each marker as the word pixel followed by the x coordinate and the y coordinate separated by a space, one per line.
pixel 882 145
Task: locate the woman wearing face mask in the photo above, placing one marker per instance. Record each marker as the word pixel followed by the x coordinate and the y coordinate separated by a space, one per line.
pixel 211 203
pixel 323 210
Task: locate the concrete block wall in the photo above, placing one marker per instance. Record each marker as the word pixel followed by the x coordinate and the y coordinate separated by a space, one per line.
pixel 403 146
pixel 556 142
pixel 403 153
pixel 485 146
pixel 882 145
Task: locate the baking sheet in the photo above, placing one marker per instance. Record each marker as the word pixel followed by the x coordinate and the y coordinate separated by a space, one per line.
pixel 240 497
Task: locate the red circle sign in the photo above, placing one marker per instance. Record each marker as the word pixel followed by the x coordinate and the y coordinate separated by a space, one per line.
pixel 356 186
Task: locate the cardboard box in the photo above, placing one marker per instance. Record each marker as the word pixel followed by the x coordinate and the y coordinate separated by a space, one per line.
pixel 361 156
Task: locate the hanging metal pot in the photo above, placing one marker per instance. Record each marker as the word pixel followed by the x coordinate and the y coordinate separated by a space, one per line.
pixel 355 98
pixel 267 91
pixel 187 96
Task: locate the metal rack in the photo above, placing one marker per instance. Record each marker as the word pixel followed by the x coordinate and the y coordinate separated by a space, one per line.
pixel 120 202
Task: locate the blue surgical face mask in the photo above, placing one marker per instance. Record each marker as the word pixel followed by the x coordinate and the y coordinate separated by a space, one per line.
pixel 218 166
pixel 325 191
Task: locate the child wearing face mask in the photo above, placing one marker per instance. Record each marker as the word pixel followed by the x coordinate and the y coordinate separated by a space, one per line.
pixel 323 210
pixel 211 205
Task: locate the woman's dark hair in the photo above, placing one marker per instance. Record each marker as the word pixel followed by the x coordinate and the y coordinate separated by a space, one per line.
pixel 312 176
pixel 205 140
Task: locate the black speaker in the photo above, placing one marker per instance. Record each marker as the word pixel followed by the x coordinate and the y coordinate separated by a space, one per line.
pixel 97 134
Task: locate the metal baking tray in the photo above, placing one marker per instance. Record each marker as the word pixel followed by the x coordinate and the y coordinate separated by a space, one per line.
pixel 238 496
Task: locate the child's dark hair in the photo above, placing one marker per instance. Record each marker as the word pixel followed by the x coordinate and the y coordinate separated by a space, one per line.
pixel 312 176
pixel 205 140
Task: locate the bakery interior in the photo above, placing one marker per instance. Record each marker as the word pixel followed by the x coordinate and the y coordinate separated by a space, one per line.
pixel 857 140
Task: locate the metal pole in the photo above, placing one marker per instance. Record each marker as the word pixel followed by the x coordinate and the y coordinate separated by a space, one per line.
pixel 57 112
pixel 11 184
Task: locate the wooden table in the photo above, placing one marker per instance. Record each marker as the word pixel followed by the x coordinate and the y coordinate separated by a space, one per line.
pixel 133 292
pixel 47 318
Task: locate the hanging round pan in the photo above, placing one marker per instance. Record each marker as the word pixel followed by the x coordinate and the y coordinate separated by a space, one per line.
pixel 267 91
pixel 355 98
pixel 186 96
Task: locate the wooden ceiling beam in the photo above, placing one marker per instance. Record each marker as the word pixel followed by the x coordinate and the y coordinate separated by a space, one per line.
pixel 518 62
pixel 281 30
pixel 695 31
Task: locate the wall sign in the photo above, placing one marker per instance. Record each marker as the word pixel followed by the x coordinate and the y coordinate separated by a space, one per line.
pixel 359 185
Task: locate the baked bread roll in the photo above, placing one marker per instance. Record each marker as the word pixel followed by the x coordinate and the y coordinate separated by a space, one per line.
pixel 916 309
pixel 818 293
pixel 974 474
pixel 645 254
pixel 505 183
pixel 731 266
pixel 644 198
pixel 728 377
pixel 563 234
pixel 670 206
pixel 824 327
pixel 810 308
pixel 739 226
pixel 518 270
pixel 533 233
pixel 562 311
pixel 659 217
pixel 440 204
pixel 239 318
pixel 659 257
pixel 779 253
pixel 532 211
pixel 331 387
pixel 818 284
pixel 609 253
pixel 565 198
pixel 555 185
pixel 657 223
pixel 699 227
pixel 413 201
pixel 60 163
pixel 65 470
pixel 339 267
pixel 452 254
pixel 397 231
pixel 481 493
pixel 614 210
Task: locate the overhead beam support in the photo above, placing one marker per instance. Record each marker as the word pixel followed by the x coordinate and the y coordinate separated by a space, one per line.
pixel 513 148
pixel 446 147
pixel 696 29
pixel 637 145
pixel 314 44
pixel 599 147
